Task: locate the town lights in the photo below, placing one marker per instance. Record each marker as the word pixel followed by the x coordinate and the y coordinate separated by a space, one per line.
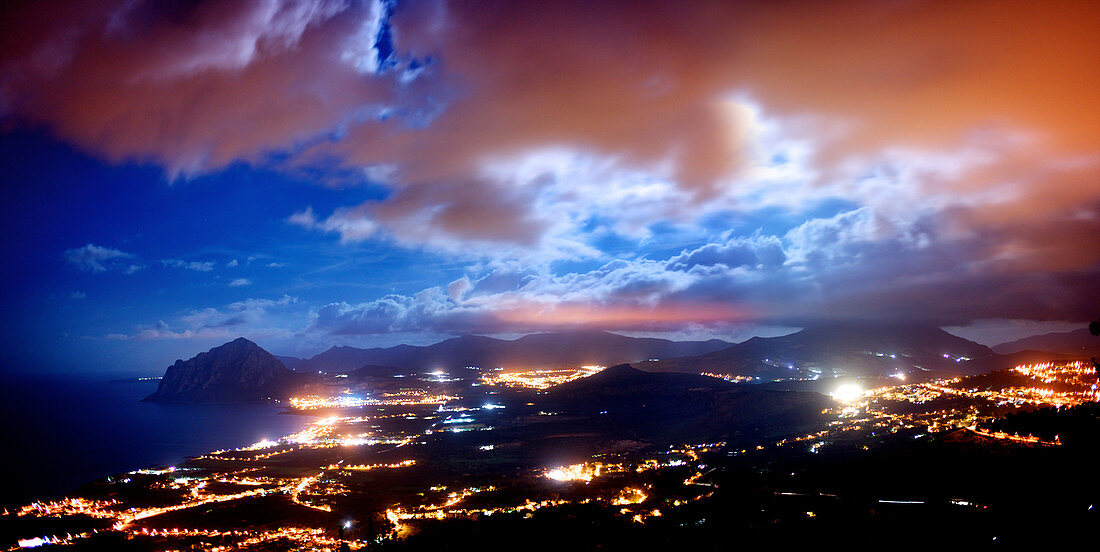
pixel 849 392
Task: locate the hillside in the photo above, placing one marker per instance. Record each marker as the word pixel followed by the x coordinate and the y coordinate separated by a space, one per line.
pixel 670 406
pixel 1078 343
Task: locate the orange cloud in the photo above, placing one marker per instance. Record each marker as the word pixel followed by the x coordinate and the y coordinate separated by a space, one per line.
pixel 621 316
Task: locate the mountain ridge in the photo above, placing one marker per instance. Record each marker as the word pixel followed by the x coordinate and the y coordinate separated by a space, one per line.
pixel 1076 342
pixel 842 349
pixel 533 350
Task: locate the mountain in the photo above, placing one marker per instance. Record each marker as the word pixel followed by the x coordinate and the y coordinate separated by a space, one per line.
pixel 606 349
pixel 346 359
pixel 237 371
pixel 375 371
pixel 1032 357
pixel 535 350
pixel 290 362
pixel 1078 342
pixel 843 348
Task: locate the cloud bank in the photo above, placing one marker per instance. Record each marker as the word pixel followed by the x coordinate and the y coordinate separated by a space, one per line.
pixel 624 165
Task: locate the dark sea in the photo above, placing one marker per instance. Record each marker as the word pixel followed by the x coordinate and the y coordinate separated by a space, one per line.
pixel 60 431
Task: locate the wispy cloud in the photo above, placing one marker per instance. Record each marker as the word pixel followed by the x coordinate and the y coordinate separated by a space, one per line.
pixel 247 317
pixel 99 259
pixel 197 266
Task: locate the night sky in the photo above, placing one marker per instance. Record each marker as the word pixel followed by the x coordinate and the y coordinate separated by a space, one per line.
pixel 179 173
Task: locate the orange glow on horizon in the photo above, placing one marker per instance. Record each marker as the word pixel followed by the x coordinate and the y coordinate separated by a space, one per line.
pixel 573 314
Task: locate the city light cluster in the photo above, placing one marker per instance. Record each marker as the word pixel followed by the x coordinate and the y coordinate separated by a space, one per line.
pixel 1057 384
pixel 1077 373
pixel 879 410
pixel 407 397
pixel 314 402
pixel 1031 439
pixel 541 378
pixel 368 467
pixel 734 378
pixel 69 507
pixel 298 537
pixel 630 495
pixel 582 472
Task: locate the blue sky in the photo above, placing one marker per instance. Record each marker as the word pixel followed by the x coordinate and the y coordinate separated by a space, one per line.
pixel 206 242
pixel 317 172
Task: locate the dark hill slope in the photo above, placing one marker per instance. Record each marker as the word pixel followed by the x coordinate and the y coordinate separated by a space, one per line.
pixel 1078 343
pixel 686 407
pixel 626 382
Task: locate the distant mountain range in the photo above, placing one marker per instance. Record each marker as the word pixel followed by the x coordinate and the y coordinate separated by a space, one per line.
pixel 535 350
pixel 241 370
pixel 1078 342
pixel 669 406
pixel 234 372
pixel 843 348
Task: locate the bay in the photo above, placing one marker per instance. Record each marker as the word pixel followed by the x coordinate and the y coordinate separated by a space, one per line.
pixel 59 431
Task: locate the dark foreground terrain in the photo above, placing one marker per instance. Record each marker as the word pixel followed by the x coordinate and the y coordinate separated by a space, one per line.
pixel 619 459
